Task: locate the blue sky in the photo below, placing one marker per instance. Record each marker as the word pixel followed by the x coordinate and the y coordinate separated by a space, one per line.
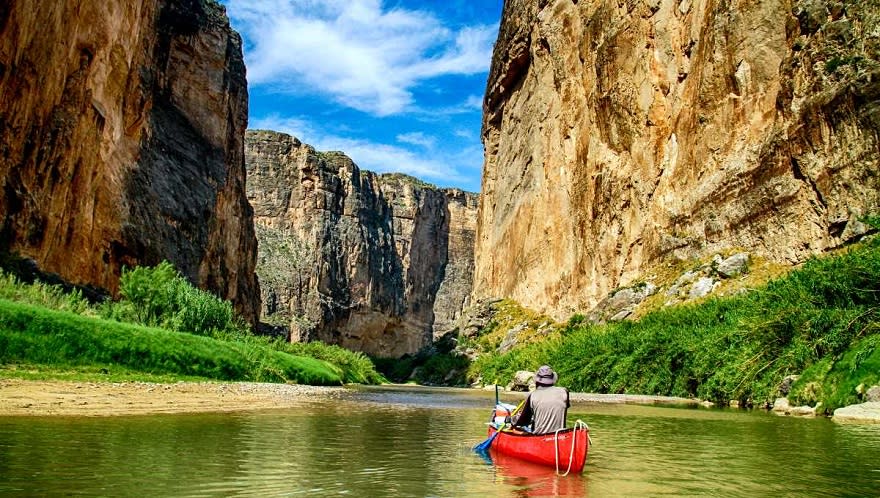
pixel 396 85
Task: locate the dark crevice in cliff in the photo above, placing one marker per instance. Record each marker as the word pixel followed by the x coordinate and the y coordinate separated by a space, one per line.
pixel 177 18
pixel 175 182
pixel 801 176
pixel 5 7
pixel 508 69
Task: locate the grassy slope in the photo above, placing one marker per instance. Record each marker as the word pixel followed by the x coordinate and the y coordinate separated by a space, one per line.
pixel 820 320
pixel 35 335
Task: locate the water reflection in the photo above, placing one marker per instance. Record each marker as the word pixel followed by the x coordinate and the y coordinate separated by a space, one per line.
pixel 531 480
pixel 417 442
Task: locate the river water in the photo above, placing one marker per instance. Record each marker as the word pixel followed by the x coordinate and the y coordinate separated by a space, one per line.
pixel 408 441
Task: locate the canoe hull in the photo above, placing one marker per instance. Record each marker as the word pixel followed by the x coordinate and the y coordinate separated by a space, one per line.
pixel 566 450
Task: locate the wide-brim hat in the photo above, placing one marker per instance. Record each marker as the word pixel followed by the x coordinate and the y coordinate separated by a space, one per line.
pixel 545 376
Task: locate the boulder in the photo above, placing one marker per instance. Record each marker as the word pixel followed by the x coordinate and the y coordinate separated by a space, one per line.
pixel 523 381
pixel 861 413
pixel 782 407
pixel 622 303
pixel 511 339
pixel 734 265
pixel 702 287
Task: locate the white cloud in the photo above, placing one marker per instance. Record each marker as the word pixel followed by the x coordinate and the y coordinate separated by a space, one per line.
pixel 475 102
pixel 298 128
pixel 443 168
pixel 359 52
pixel 417 138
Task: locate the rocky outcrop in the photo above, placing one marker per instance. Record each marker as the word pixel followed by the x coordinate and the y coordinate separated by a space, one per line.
pixel 121 142
pixel 619 134
pixel 375 263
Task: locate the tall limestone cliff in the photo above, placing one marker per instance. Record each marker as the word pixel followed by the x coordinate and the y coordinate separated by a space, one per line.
pixel 621 133
pixel 122 142
pixel 375 263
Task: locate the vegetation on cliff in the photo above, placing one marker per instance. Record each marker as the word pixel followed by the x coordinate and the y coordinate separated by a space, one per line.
pixel 821 321
pixel 47 328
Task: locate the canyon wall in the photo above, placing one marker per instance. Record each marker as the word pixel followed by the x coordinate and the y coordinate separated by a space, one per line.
pixel 374 263
pixel 622 133
pixel 122 142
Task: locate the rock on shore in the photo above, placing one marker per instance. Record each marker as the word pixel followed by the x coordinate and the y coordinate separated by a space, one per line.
pixel 863 413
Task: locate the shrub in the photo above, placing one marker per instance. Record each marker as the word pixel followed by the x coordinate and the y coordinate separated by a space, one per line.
pixel 160 296
pixel 40 294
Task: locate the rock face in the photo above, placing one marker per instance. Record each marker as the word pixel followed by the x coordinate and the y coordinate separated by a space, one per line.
pixel 121 142
pixel 375 263
pixel 618 134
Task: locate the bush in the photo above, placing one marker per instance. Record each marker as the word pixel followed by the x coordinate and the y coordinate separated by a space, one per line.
pixel 161 297
pixel 40 294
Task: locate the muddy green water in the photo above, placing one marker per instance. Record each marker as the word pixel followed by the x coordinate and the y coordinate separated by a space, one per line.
pixel 416 442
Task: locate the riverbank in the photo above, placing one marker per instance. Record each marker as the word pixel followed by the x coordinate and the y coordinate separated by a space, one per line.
pixel 66 398
pixel 20 397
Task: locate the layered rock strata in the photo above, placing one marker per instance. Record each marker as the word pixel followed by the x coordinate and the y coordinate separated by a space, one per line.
pixel 618 134
pixel 122 142
pixel 374 263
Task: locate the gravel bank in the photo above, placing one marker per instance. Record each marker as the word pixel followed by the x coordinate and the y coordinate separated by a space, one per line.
pixel 35 398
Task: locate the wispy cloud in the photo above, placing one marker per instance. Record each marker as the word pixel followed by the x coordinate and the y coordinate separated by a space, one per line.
pixel 359 53
pixel 417 138
pixel 445 167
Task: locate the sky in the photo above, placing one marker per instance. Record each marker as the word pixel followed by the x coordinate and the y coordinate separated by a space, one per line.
pixel 396 85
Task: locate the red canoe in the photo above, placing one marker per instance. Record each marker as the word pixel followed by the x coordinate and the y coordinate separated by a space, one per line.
pixel 566 450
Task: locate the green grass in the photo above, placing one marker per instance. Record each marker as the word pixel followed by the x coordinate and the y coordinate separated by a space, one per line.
pixel 35 335
pixel 89 373
pixel 820 320
pixel 152 331
pixel 355 367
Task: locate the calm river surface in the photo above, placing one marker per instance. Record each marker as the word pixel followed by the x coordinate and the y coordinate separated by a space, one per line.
pixel 395 441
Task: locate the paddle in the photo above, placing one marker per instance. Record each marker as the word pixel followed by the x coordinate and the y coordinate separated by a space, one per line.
pixel 485 445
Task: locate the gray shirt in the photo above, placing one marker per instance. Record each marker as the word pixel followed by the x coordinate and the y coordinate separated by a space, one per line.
pixel 545 409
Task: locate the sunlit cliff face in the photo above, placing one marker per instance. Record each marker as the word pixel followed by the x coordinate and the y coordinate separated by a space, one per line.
pixel 618 134
pixel 375 263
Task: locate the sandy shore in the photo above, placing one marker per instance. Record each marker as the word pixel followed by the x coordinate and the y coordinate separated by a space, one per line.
pixel 39 398
pixel 35 398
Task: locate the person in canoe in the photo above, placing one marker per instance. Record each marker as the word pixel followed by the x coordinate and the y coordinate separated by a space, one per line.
pixel 545 408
